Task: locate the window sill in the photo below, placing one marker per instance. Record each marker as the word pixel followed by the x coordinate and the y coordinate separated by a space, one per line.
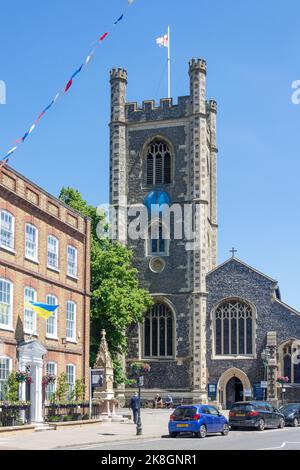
pixel 31 333
pixel 159 359
pixel 53 338
pixel 7 328
pixel 73 278
pixel 233 357
pixel 9 250
pixel 32 260
pixel 70 340
pixel 158 255
pixel 51 268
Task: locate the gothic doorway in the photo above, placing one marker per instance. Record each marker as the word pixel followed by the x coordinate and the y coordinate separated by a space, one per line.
pixel 234 391
pixel 232 386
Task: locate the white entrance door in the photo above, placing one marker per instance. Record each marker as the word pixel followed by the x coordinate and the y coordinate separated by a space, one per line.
pixel 36 397
pixel 31 356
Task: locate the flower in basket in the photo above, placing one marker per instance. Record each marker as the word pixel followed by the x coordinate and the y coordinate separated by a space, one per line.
pixel 283 380
pixel 140 367
pixel 48 379
pixel 23 376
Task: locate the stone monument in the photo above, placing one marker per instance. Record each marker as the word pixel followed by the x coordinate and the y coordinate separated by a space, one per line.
pixel 106 392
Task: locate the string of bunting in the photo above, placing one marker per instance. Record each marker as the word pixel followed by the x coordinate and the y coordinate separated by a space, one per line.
pixel 64 90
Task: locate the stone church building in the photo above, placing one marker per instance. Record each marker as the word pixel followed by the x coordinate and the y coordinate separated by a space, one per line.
pixel 209 325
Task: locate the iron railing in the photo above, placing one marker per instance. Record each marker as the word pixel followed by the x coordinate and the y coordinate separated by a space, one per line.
pixel 55 412
pixel 14 415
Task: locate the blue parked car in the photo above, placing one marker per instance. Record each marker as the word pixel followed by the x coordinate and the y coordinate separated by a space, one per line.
pixel 199 420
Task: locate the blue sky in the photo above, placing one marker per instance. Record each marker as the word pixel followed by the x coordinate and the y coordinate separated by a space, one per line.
pixel 251 48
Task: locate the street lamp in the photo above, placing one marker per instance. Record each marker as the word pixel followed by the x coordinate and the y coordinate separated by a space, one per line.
pixel 140 384
pixel 138 369
pixel 265 355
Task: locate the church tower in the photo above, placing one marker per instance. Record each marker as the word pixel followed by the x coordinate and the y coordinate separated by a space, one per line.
pixel 167 155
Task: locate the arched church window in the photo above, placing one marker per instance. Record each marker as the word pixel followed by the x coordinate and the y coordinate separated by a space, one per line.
pixel 158 163
pixel 234 329
pixel 158 332
pixel 289 354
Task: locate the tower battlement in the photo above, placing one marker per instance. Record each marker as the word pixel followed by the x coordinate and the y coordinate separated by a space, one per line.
pixel 148 111
pixel 212 106
pixel 197 64
pixel 118 74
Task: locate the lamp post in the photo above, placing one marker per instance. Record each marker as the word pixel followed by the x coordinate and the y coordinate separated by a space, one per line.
pixel 265 355
pixel 139 429
pixel 138 369
pixel 283 381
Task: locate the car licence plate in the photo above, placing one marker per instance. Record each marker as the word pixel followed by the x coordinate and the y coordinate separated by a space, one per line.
pixel 182 425
pixel 240 414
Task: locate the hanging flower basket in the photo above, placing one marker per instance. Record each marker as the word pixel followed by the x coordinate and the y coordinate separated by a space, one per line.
pixel 140 368
pixel 23 376
pixel 283 380
pixel 48 379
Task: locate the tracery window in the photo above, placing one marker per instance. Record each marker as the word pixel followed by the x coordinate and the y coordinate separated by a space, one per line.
pixel 290 361
pixel 159 332
pixel 158 163
pixel 234 329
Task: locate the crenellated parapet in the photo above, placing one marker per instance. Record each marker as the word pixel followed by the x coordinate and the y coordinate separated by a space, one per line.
pixel 196 65
pixel 118 74
pixel 212 106
pixel 148 111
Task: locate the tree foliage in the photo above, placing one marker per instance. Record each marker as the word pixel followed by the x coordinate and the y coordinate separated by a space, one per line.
pixel 12 391
pixel 117 300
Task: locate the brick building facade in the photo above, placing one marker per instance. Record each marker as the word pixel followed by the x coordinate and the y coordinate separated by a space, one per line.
pixel 44 257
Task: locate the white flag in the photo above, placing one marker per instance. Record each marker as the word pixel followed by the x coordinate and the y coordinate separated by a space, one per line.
pixel 163 41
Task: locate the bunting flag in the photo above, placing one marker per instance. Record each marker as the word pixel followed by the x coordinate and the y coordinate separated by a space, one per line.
pixel 42 310
pixel 64 90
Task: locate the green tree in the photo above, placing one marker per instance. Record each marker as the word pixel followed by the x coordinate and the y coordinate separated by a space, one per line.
pixel 62 387
pixel 117 300
pixel 12 390
pixel 79 391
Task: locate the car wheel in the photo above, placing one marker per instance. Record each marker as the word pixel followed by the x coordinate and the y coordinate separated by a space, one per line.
pixel 295 423
pixel 261 425
pixel 281 423
pixel 202 432
pixel 225 431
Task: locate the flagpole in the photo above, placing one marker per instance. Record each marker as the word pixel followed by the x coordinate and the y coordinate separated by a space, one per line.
pixel 169 64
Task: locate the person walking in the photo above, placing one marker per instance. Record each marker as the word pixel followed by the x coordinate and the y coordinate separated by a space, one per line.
pixel 134 405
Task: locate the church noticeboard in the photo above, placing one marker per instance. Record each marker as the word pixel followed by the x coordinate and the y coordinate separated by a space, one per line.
pixel 258 391
pixel 212 391
pixel 97 379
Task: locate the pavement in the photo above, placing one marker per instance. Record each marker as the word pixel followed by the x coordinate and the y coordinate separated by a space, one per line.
pixel 154 425
pixel 122 436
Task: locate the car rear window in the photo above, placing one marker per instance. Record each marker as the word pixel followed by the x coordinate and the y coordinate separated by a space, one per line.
pixel 184 413
pixel 242 407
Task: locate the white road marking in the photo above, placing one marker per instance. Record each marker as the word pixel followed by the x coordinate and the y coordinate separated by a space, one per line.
pixel 280 447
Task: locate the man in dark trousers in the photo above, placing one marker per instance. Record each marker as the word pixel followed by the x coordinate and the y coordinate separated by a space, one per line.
pixel 134 405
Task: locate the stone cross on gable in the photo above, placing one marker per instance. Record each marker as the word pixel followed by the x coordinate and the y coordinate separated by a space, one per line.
pixel 233 251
